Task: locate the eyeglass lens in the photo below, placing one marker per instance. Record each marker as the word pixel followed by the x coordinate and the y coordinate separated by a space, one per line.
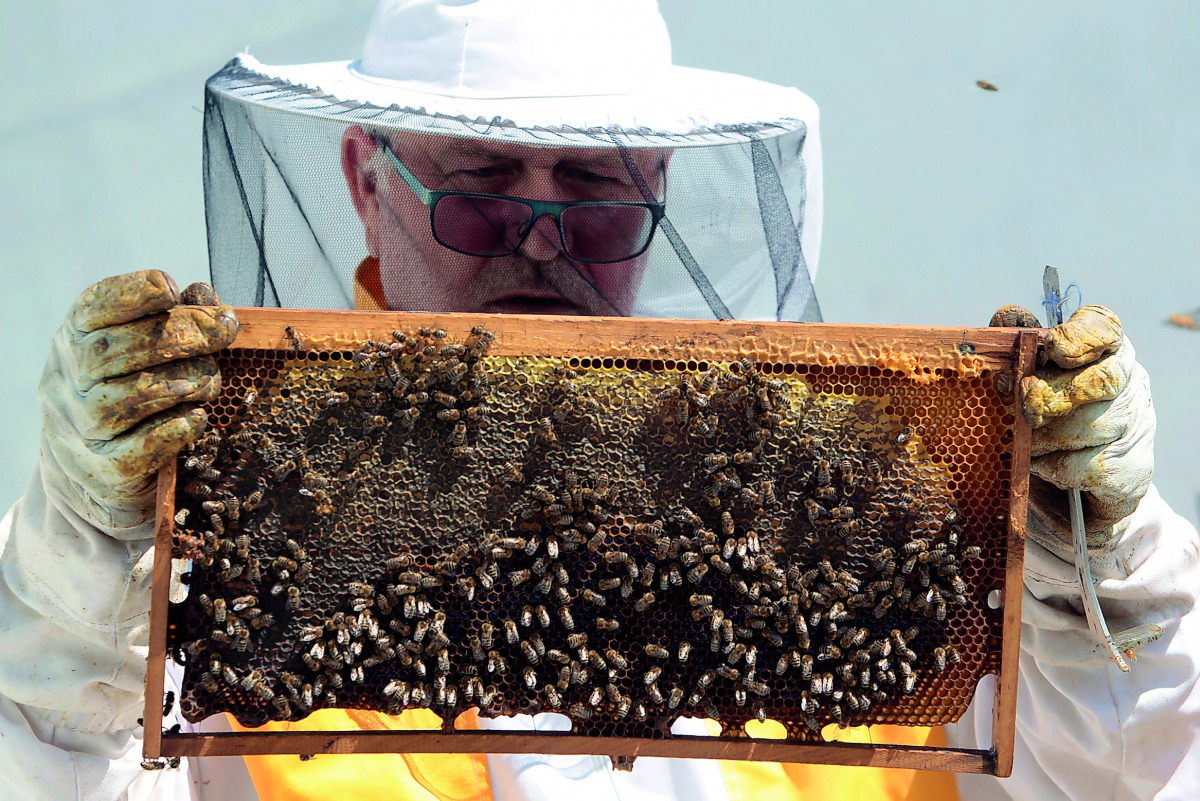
pixel 485 226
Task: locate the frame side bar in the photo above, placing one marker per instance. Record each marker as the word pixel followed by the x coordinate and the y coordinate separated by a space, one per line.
pixel 160 597
pixel 1004 709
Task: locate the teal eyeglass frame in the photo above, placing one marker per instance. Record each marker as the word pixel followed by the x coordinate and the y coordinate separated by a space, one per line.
pixel 539 208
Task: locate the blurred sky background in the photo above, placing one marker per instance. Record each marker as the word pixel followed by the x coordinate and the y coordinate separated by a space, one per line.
pixel 942 201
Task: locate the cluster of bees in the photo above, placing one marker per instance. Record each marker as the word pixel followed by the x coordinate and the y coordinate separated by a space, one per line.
pixel 718 548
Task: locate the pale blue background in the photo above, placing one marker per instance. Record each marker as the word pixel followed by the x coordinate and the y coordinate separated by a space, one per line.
pixel 942 201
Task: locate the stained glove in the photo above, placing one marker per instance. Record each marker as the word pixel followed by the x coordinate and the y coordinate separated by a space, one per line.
pixel 1092 416
pixel 121 391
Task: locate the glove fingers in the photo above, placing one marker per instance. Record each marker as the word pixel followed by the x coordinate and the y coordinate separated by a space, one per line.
pixel 1013 316
pixel 138 454
pixel 1092 426
pixel 1054 393
pixel 199 294
pixel 1097 423
pixel 1113 477
pixel 122 298
pixel 132 459
pixel 181 333
pixel 115 471
pixel 114 406
pixel 1092 332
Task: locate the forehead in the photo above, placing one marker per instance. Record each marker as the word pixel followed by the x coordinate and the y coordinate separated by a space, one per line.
pixel 445 151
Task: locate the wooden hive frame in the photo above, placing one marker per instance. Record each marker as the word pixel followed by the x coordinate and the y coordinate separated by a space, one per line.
pixel 920 353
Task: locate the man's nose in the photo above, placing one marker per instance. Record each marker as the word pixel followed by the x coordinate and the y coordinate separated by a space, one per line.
pixel 543 242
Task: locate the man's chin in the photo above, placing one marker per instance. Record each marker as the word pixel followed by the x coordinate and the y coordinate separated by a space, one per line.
pixel 526 305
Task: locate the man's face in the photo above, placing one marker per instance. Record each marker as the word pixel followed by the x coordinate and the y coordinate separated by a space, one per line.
pixel 420 274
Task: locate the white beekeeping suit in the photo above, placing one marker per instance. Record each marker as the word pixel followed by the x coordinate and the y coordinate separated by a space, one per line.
pixel 297 181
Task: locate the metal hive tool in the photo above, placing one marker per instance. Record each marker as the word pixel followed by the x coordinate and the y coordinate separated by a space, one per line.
pixel 624 523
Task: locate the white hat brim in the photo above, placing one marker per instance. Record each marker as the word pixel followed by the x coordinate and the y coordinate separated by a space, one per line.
pixel 678 107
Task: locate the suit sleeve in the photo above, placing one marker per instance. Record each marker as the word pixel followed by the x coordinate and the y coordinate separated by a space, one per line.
pixel 1086 730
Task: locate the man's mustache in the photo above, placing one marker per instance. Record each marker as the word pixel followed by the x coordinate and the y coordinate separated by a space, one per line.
pixel 562 277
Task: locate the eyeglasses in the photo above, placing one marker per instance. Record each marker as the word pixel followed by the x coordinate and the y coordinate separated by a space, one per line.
pixel 479 224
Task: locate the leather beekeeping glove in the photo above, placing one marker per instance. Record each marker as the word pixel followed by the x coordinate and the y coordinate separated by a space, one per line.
pixel 121 391
pixel 1092 416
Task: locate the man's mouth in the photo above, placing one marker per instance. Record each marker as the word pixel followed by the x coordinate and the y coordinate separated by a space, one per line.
pixel 531 304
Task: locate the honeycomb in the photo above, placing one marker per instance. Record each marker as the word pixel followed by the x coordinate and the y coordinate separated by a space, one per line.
pixel 418 522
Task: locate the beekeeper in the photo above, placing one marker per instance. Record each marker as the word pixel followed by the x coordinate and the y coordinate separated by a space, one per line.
pixel 518 156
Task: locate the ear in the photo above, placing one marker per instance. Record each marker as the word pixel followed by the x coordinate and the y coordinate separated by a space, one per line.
pixel 358 151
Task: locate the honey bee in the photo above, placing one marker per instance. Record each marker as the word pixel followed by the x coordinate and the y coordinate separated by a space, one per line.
pixel 643 603
pixel 904 435
pixel 564 616
pixel 614 656
pixel 607 624
pixel 593 597
pixel 986 86
pixel 813 510
pixel 657 651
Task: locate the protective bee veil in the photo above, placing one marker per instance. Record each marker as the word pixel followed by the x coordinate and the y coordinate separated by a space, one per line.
pixel 545 159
